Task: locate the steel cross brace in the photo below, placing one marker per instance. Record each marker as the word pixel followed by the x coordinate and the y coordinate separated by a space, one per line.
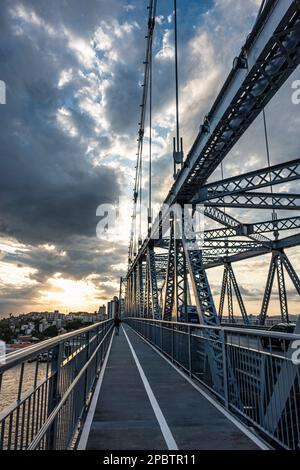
pixel 153 284
pixel 209 317
pixel 168 300
pixel 181 282
pixel 229 282
pixel 233 224
pixel 276 266
pixel 282 173
pixel 257 201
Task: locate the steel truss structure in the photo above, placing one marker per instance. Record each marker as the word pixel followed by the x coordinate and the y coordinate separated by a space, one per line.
pixel 166 272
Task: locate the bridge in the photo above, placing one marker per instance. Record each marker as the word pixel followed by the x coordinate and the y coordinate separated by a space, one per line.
pixel 164 382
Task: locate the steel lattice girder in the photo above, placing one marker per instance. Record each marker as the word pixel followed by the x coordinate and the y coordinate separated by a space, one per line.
pixel 230 222
pixel 229 281
pixel 282 290
pixel 258 179
pixel 208 316
pixel 230 244
pixel 288 242
pixel 230 300
pixel 273 53
pixel 140 280
pixel 122 296
pixel 246 93
pixel 238 295
pixel 288 223
pixel 147 294
pixel 205 304
pixel 153 284
pixel 268 291
pixel 223 292
pixel 168 300
pixel 258 201
pixel 207 313
pixel 181 282
pixel 212 253
pixel 176 285
pixel 291 272
pixel 276 265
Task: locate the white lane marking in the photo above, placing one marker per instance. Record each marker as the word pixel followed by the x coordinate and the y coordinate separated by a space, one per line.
pixel 260 443
pixel 166 431
pixel 90 416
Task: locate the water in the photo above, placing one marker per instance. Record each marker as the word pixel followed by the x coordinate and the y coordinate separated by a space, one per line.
pixel 10 382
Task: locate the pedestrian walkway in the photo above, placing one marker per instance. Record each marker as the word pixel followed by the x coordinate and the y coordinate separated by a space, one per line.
pixel 144 403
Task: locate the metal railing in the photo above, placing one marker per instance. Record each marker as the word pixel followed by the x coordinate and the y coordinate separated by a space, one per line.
pixel 45 389
pixel 261 380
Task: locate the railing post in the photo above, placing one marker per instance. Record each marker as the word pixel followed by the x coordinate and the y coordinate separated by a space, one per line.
pixel 99 353
pixel 172 341
pixel 225 374
pixel 54 392
pixel 86 375
pixel 190 351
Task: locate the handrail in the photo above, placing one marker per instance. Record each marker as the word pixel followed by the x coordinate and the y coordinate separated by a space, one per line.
pixel 46 426
pixel 245 331
pixel 15 358
pixel 74 360
pixel 256 382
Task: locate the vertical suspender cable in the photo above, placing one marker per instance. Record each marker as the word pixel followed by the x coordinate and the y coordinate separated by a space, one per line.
pixel 176 75
pixel 150 139
pixel 138 186
pixel 141 195
pixel 178 147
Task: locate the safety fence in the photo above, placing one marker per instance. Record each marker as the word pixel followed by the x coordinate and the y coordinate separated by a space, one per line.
pixel 47 388
pixel 253 373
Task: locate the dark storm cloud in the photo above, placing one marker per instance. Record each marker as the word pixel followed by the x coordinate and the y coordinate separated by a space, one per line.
pixel 49 188
pixel 81 17
pixel 82 257
pixel 123 100
pixel 13 299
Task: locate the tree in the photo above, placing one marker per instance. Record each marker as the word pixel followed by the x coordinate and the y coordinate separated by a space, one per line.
pixel 6 333
pixel 51 331
pixel 74 325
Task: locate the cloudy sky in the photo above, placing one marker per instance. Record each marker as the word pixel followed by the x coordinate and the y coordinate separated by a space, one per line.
pixel 68 135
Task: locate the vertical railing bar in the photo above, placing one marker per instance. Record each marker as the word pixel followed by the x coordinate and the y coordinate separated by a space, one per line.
pixel 2 434
pixel 189 350
pixel 10 431
pixel 22 425
pixel 296 407
pixel 225 373
pixel 28 421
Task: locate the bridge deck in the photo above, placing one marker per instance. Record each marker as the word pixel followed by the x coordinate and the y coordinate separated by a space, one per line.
pixel 126 416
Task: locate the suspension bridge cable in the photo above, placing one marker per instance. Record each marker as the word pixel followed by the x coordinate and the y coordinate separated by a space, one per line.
pixel 150 139
pixel 176 74
pixel 138 180
pixel 141 194
pixel 177 142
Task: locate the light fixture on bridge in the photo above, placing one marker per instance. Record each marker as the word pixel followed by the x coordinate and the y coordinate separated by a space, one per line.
pixel 205 127
pixel 241 62
pixel 177 156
